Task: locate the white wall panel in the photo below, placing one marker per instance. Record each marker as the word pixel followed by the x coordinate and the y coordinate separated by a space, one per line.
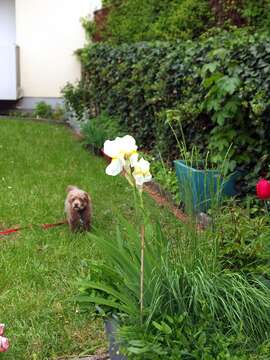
pixel 7 22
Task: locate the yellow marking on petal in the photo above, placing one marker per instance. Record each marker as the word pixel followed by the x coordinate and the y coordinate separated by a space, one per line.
pixel 133 152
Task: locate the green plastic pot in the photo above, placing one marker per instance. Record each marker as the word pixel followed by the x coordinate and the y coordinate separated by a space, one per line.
pixel 200 189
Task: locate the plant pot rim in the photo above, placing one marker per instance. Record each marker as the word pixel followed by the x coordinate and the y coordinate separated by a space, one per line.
pixel 237 173
pixel 184 164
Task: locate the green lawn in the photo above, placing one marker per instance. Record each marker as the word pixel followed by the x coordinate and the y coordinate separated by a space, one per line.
pixel 40 269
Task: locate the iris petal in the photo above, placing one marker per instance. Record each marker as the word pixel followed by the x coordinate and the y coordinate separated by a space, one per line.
pixel 139 179
pixel 128 144
pixel 148 178
pixel 133 159
pixel 144 165
pixel 115 167
pixel 112 148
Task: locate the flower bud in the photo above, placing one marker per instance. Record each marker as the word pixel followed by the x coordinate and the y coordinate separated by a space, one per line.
pixel 263 189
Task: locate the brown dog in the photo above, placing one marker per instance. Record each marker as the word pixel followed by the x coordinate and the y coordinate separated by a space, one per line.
pixel 78 209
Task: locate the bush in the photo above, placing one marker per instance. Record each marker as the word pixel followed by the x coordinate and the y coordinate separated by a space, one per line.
pixel 99 129
pixel 43 110
pixel 58 113
pixel 217 93
pixel 75 97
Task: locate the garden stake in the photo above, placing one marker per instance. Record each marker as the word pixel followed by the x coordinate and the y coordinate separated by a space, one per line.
pixel 142 270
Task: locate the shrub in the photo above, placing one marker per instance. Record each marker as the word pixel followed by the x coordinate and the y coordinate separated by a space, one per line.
pixel 99 129
pixel 217 93
pixel 58 113
pixel 43 110
pixel 75 97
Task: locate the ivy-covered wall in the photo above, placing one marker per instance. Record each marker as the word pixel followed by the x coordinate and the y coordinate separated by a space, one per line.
pixel 129 21
pixel 136 20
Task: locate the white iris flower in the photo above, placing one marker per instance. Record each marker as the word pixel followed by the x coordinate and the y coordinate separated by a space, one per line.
pixel 141 172
pixel 123 152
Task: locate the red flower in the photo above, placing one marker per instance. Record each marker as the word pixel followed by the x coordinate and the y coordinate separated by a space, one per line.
pixel 263 189
pixel 4 344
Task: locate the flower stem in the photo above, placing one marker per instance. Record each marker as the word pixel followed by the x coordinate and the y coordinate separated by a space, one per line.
pixel 266 205
pixel 142 271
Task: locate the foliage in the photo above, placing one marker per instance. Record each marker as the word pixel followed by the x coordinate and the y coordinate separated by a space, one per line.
pixel 111 2
pixel 58 113
pixel 182 20
pixel 75 98
pixel 43 110
pixel 178 337
pixel 165 176
pixel 217 94
pixel 257 13
pixel 19 114
pixel 99 129
pixel 244 241
pixel 130 21
pixel 89 27
pixel 185 289
pixel 138 20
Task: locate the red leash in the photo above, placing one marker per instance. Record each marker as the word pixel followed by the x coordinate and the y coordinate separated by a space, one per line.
pixel 43 226
pixel 9 231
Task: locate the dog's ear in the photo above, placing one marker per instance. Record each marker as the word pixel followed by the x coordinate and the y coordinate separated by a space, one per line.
pixel 86 196
pixel 70 188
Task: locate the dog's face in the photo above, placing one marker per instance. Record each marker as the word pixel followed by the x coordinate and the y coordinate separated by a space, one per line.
pixel 78 199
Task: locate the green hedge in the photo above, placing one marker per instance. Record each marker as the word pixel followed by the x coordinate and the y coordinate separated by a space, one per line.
pixel 218 89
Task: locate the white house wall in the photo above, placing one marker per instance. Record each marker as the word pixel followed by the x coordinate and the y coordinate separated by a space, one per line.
pixel 48 33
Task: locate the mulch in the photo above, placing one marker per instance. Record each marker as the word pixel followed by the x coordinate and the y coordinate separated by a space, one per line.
pixel 162 198
pixel 89 357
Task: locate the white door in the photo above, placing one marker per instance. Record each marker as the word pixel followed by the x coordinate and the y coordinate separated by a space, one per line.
pixel 7 22
pixel 9 53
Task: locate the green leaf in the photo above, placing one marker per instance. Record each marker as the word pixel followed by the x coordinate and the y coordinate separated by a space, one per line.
pixel 211 67
pixel 101 301
pixel 229 85
pixel 111 291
